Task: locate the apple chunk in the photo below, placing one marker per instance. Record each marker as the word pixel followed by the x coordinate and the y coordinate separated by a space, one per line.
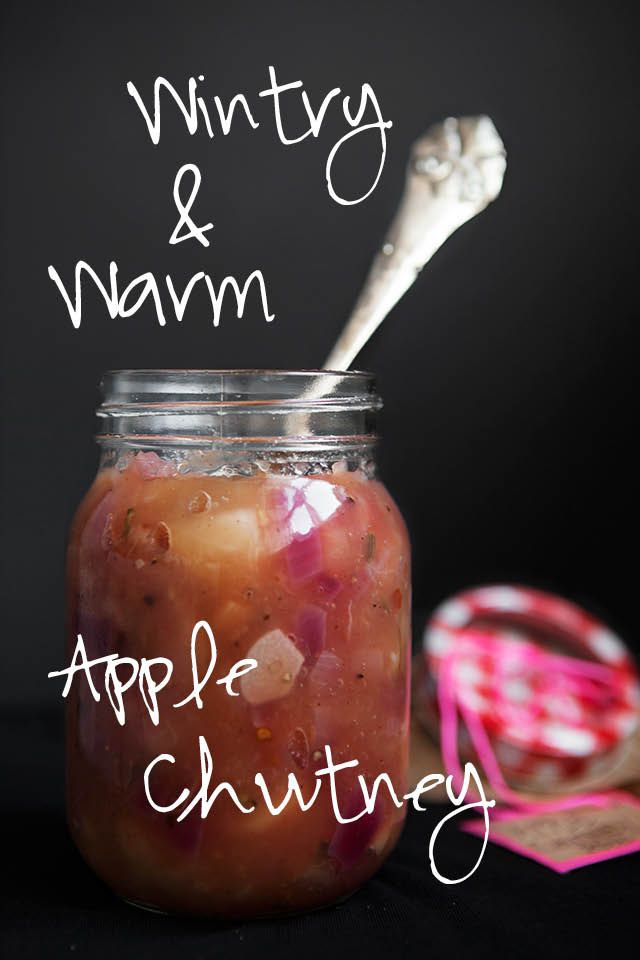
pixel 219 536
pixel 279 662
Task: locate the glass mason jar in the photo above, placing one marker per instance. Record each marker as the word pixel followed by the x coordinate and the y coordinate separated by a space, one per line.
pixel 246 500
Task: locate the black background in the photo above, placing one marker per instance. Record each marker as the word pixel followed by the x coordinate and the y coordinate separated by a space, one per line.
pixel 508 370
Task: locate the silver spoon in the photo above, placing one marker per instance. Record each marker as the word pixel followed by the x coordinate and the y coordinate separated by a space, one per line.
pixel 455 170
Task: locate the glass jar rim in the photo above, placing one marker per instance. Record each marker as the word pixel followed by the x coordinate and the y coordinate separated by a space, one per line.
pixel 216 406
pixel 262 371
pixel 197 380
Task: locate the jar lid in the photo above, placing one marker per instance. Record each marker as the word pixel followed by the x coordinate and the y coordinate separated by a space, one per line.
pixel 554 688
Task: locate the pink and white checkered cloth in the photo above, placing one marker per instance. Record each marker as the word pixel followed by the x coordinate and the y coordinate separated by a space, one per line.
pixel 547 693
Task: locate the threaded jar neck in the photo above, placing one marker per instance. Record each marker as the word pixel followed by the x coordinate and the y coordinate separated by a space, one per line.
pixel 250 414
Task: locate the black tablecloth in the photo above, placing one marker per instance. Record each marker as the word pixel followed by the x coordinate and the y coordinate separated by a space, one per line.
pixel 511 907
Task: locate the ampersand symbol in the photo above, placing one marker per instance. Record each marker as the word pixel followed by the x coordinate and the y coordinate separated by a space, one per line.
pixel 184 209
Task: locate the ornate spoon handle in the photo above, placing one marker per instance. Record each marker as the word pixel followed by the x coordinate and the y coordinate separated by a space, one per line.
pixel 455 170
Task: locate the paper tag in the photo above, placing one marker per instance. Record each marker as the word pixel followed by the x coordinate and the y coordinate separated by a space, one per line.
pixel 564 840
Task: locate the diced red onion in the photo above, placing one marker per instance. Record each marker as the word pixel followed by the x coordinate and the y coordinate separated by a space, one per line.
pixel 100 636
pixel 278 502
pixel 297 508
pixel 99 736
pixel 351 840
pixel 311 631
pixel 327 671
pixel 186 834
pixel 96 533
pixel 166 784
pixel 149 465
pixel 304 556
pixel 328 586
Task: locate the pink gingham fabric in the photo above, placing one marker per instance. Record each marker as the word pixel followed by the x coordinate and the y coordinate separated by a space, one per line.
pixel 550 689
